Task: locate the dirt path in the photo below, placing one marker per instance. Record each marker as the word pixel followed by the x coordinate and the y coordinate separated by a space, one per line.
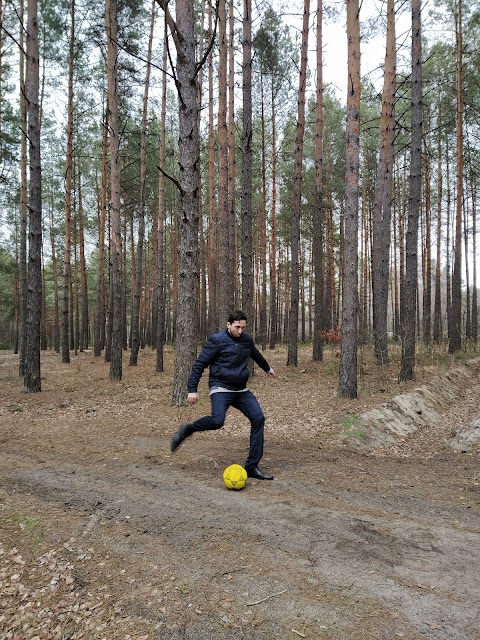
pixel 105 534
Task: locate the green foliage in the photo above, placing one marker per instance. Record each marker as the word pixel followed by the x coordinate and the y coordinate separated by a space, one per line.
pixel 350 421
pixel 29 525
pixel 9 134
pixel 351 428
pixel 18 408
pixel 7 294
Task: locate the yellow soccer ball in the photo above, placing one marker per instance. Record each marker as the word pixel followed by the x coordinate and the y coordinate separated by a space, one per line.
pixel 235 477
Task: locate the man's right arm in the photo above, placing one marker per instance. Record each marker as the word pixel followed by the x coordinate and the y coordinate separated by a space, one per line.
pixel 192 398
pixel 208 355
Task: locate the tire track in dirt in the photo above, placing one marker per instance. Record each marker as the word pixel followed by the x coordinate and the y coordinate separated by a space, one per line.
pixel 332 553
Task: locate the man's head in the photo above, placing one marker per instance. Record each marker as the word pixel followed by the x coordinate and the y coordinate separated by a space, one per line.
pixel 236 323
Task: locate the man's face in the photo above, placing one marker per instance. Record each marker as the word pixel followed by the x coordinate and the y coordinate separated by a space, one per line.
pixel 236 328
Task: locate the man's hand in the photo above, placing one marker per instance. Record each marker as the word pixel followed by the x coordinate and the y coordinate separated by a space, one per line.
pixel 272 373
pixel 192 398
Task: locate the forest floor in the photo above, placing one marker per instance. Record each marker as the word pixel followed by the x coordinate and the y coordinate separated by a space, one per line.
pixel 106 534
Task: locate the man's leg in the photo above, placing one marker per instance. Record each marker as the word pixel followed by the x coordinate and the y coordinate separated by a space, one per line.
pixel 248 404
pixel 220 403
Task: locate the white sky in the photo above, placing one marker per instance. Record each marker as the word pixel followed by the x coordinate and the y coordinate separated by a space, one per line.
pixel 372 49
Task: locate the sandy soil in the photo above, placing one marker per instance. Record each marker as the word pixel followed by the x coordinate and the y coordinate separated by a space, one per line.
pixel 105 534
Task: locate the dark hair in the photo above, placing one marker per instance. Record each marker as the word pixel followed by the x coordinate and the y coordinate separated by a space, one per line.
pixel 236 315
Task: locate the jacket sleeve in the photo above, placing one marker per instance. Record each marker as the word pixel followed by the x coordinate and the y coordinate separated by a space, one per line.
pixel 259 359
pixel 206 357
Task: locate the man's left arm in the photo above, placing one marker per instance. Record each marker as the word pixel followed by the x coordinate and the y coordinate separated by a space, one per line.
pixel 262 363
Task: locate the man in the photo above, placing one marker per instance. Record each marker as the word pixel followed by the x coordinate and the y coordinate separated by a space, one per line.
pixel 227 353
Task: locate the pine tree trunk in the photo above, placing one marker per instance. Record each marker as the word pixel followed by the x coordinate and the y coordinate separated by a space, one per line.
pixel 448 223
pixel 363 273
pixel 32 379
pixel 213 319
pixel 66 315
pixel 108 304
pixel 409 294
pixel 328 311
pixel 99 330
pixel 75 298
pixel 201 219
pixel 468 320
pixel 292 359
pixel 318 219
pixel 437 305
pixel 123 270
pixel 455 328
pixel 141 206
pixel 160 289
pixel 303 301
pixel 226 250
pixel 1 64
pixel 116 230
pixel 56 323
pixel 427 257
pixel 231 156
pixel 473 187
pixel 347 387
pixel 383 196
pixel 43 323
pixel 186 326
pixel 273 243
pixel 262 234
pixel 246 219
pixel 395 298
pixel 22 258
pixel 84 332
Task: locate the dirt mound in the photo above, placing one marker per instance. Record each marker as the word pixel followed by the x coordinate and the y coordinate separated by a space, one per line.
pixel 399 418
pixel 467 439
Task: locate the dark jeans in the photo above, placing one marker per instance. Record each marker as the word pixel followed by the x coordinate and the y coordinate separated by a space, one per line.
pixel 245 402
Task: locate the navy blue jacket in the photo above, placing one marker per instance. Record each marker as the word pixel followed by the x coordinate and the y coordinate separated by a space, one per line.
pixel 228 359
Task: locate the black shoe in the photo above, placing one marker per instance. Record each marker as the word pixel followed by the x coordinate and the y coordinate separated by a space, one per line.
pixel 183 432
pixel 256 472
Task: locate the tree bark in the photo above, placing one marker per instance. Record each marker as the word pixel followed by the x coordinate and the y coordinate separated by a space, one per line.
pixel 474 320
pixel 318 218
pixel 141 206
pixel 427 259
pixel 56 318
pixel 231 157
pixel 32 379
pixel 226 250
pixel 160 291
pixel 246 220
pixel 213 319
pixel 84 331
pixel 262 231
pixel 455 336
pixel 347 387
pixel 116 229
pixel 201 218
pixel 273 242
pixel 183 32
pixel 99 331
pixel 437 305
pixel 1 62
pixel 383 197
pixel 66 316
pixel 409 294
pixel 292 358
pixel 22 257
